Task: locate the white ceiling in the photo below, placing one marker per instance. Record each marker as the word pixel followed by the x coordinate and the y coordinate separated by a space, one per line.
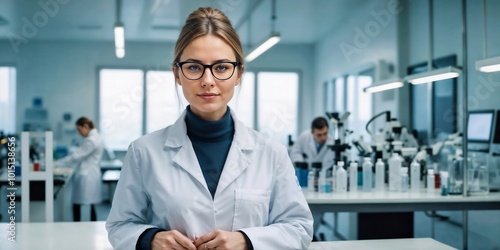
pixel 298 21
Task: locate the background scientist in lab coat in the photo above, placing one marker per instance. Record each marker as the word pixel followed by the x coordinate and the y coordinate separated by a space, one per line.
pixel 87 184
pixel 207 181
pixel 311 147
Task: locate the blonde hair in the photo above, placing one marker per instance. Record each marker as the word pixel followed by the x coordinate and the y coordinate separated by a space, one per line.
pixel 205 21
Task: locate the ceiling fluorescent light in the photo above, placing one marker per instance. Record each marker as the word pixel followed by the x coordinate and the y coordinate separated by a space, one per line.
pixel 119 40
pixel 386 85
pixel 434 75
pixel 488 65
pixel 270 42
pixel 120 52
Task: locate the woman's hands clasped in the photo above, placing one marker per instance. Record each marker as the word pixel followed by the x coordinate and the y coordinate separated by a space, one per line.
pixel 215 240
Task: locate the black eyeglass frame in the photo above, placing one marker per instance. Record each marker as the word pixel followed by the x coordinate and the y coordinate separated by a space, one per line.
pixel 205 66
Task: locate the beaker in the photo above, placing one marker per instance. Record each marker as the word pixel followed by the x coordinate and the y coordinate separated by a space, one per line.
pixel 456 175
pixel 478 181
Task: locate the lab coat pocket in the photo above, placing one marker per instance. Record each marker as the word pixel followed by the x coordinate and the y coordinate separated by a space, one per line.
pixel 251 208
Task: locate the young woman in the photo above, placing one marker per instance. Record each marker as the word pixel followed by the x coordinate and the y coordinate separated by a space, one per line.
pixel 87 183
pixel 207 181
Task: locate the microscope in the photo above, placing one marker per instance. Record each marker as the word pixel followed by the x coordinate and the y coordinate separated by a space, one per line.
pixel 338 143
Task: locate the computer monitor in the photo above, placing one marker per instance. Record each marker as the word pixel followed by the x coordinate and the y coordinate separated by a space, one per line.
pixel 479 126
pixel 496 136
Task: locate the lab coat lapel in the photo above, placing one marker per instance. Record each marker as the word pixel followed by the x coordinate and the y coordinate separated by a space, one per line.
pixel 235 165
pixel 236 161
pixel 185 157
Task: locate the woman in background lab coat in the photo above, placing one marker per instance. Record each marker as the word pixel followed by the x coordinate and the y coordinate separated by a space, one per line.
pixel 207 181
pixel 87 176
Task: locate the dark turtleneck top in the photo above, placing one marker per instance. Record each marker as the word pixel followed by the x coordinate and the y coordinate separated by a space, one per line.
pixel 211 142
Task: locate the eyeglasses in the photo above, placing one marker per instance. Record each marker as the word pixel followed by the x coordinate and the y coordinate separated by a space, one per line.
pixel 194 70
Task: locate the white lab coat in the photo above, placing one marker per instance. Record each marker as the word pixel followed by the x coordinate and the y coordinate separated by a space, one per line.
pixel 305 145
pixel 162 185
pixel 87 183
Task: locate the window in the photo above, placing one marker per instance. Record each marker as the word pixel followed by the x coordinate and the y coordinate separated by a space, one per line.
pixel 134 102
pixel 243 100
pixel 433 105
pixel 330 96
pixel 359 103
pixel 8 99
pixel 340 94
pixel 120 106
pixel 277 104
pixel 164 100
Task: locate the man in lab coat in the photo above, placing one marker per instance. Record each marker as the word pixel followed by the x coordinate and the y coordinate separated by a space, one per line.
pixel 311 147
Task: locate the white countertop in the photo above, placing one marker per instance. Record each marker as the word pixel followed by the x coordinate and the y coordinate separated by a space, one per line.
pixel 93 235
pixel 392 244
pixel 111 165
pixel 393 197
pixel 58 235
pixel 388 201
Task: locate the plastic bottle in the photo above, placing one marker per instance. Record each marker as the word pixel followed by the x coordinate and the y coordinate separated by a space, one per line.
pixel 341 176
pixel 446 155
pixel 430 180
pixel 328 180
pixel 322 181
pixel 310 181
pixel 353 177
pixel 395 163
pixel 404 179
pixel 303 174
pixel 316 166
pixel 36 165
pixel 367 175
pixel 444 183
pixel 415 176
pixel 379 175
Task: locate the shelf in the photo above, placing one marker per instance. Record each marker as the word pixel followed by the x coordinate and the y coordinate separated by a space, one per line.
pixel 38 175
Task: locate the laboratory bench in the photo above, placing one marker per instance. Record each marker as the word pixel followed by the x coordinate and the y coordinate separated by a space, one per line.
pixel 111 165
pixel 389 201
pixel 395 209
pixel 93 235
pixel 62 179
pixel 111 171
